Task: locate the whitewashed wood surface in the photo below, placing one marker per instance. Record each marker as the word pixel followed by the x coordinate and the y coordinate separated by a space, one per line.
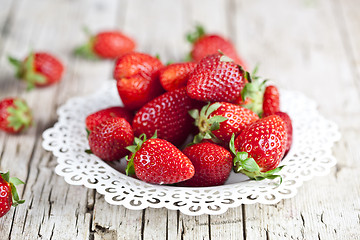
pixel 312 46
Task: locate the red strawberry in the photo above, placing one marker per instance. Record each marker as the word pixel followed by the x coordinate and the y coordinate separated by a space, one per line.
pixel 15 115
pixel 137 76
pixel 107 44
pixel 102 115
pixel 212 164
pixel 207 44
pixel 109 140
pixel 175 76
pixel 271 102
pixel 168 115
pixel 8 194
pixel 38 69
pixel 220 120
pixel 289 129
pixel 216 78
pixel 260 147
pixel 158 161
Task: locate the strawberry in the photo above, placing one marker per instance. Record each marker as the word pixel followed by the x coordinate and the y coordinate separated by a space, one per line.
pixel 38 69
pixel 216 78
pixel 166 114
pixel 109 140
pixel 271 101
pixel 260 147
pixel 175 76
pixel 212 164
pixel 15 115
pixel 207 44
pixel 220 120
pixel 137 76
pixel 8 194
pixel 289 129
pixel 158 161
pixel 102 115
pixel 106 44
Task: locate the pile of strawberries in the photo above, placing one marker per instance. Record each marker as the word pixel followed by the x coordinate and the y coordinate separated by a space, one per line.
pixel 232 118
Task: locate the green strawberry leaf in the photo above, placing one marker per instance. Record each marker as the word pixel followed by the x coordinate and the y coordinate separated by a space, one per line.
pixel 131 148
pixel 217 119
pixel 210 108
pixel 194 113
pixel 232 144
pixel 130 168
pixel 18 66
pixel 204 109
pixel 198 138
pixel 225 58
pixel 193 37
pixel 250 165
pixel 16 181
pixel 215 126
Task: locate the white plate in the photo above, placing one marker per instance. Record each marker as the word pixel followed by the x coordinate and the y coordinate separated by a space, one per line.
pixel 310 156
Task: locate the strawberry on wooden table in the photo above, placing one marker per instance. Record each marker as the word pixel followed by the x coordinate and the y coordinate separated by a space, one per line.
pixel 216 78
pixel 218 121
pixel 212 163
pixel 175 75
pixel 15 115
pixel 206 44
pixel 102 115
pixel 109 140
pixel 8 194
pixel 38 69
pixel 158 161
pixel 167 115
pixel 260 147
pixel 106 44
pixel 137 76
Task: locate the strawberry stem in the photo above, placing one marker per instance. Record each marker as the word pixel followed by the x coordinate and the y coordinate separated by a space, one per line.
pixel 138 142
pixel 19 115
pixel 205 123
pixel 87 50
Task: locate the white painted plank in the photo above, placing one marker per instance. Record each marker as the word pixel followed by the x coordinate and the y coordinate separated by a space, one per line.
pixel 115 222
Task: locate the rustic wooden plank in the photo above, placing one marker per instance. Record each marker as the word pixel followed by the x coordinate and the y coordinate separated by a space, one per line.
pixel 229 225
pixel 299 54
pixel 49 199
pixel 115 222
pixel 295 56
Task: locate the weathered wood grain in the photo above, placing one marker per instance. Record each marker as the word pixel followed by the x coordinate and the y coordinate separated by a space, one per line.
pixel 310 46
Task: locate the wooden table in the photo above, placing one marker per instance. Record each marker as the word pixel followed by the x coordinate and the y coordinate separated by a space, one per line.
pixel 312 46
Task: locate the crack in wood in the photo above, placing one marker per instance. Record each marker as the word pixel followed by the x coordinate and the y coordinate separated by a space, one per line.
pixel 244 221
pixel 50 203
pixel 143 224
pixel 52 232
pixel 209 226
pixel 267 233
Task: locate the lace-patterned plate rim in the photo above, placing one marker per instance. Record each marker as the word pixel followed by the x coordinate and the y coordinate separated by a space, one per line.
pixel 67 140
